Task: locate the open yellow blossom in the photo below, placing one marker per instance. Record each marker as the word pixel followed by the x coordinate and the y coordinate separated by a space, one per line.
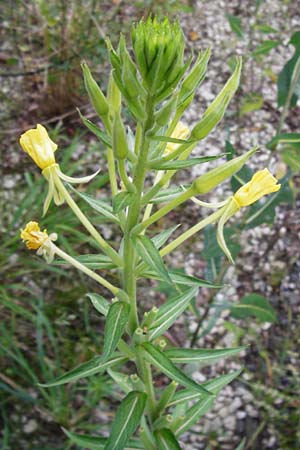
pixel 39 146
pixel 262 183
pixel 36 239
pixel 181 131
pixel 37 143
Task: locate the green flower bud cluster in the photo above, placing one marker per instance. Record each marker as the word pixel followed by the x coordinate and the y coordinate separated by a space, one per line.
pixel 159 49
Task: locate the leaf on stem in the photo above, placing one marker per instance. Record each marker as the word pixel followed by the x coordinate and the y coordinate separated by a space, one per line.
pixel 183 164
pixel 122 200
pixel 126 420
pixel 95 365
pixel 203 356
pixel 170 311
pixel 101 135
pixel 99 303
pixel 150 255
pixel 116 321
pixel 161 362
pixel 96 442
pixel 166 440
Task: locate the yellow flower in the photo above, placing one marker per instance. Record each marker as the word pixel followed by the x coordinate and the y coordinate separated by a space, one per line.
pixel 181 132
pixel 39 240
pixel 39 146
pixel 262 183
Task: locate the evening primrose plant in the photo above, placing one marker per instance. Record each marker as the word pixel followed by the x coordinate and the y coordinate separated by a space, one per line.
pixel 156 84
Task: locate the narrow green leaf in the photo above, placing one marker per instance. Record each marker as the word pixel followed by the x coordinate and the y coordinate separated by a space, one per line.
pixel 182 164
pixel 181 278
pixel 101 135
pixel 166 440
pixel 203 356
pixel 99 303
pixel 254 305
pixel 266 47
pixel 193 414
pixel 170 311
pixel 214 386
pixel 95 365
pixel 168 194
pixel 115 325
pixel 92 261
pixel 162 237
pixel 98 205
pixel 290 154
pixel 217 108
pixel 122 200
pixel 235 25
pixel 287 74
pixel 150 255
pixel 283 138
pixel 97 443
pixel 161 362
pixel 126 420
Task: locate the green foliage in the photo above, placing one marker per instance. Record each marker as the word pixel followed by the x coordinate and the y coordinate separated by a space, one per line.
pixel 254 305
pixel 285 76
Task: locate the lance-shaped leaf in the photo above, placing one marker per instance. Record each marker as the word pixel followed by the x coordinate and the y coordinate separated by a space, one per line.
pixel 199 409
pixel 122 200
pixel 182 164
pixel 160 238
pixel 150 255
pixel 126 420
pixel 98 205
pixel 181 278
pixel 162 362
pixel 241 445
pixel 217 108
pixel 99 303
pixel 203 356
pixel 95 365
pixel 214 386
pixel 166 440
pixel 170 311
pixel 254 305
pixel 101 135
pixel 116 321
pixel 97 443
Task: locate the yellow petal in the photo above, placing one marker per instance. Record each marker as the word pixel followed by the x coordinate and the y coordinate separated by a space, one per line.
pixel 39 146
pixel 262 183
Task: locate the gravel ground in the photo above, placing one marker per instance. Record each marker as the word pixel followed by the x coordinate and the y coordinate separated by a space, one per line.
pixel 269 261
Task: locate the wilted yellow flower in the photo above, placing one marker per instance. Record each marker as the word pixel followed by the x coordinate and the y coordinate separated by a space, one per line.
pixel 181 132
pixel 36 239
pixel 39 146
pixel 262 183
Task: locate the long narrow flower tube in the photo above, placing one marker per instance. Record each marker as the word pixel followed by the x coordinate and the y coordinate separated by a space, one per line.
pixel 262 183
pixel 36 239
pixel 41 148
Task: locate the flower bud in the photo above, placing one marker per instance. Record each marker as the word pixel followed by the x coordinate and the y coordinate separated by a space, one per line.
pixel 113 96
pixel 119 138
pixel 95 94
pixel 195 77
pixel 214 177
pixel 159 48
pixel 39 146
pixel 162 117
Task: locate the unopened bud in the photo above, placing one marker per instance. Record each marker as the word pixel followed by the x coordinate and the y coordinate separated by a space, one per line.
pixel 119 138
pixel 95 94
pixel 214 177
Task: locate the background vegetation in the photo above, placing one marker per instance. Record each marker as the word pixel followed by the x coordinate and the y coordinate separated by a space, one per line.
pixel 44 312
